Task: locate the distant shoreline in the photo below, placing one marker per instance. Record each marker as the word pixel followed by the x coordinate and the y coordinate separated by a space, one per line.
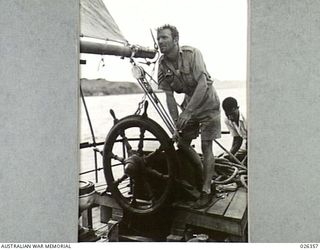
pixel 102 87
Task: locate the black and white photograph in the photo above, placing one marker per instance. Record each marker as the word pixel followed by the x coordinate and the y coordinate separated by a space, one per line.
pixel 129 121
pixel 163 121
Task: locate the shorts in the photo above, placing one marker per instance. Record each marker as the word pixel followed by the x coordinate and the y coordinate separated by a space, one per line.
pixel 208 124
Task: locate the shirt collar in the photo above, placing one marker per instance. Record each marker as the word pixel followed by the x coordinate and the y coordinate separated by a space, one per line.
pixel 168 61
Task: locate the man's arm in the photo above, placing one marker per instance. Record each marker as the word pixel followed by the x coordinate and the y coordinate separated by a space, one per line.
pixel 172 105
pixel 199 74
pixel 198 94
pixel 194 102
pixel 237 139
pixel 236 144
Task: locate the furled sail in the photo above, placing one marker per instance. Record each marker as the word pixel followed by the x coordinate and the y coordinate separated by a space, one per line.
pixel 96 22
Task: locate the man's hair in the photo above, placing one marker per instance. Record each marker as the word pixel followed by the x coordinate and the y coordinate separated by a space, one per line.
pixel 229 104
pixel 173 29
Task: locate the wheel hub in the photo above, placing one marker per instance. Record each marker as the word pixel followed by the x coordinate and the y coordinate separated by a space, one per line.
pixel 134 166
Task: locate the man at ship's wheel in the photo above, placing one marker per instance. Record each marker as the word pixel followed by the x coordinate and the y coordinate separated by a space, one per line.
pixel 182 70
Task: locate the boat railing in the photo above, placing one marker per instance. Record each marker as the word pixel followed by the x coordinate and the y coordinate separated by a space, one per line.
pixel 97 153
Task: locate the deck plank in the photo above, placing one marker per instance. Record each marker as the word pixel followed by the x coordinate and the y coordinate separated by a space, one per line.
pixel 220 206
pixel 187 205
pixel 184 218
pixel 238 205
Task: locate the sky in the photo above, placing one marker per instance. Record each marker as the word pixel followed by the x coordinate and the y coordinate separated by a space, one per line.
pixel 217 27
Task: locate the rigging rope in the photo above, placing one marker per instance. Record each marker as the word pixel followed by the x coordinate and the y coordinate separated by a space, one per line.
pixel 140 105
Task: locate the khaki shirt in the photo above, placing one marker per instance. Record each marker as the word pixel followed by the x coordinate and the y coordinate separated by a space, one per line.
pixel 183 78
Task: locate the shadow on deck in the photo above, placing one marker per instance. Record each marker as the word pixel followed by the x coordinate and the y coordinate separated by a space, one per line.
pixel 225 220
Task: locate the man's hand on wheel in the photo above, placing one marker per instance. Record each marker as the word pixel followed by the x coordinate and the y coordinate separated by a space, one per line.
pixel 183 120
pixel 175 136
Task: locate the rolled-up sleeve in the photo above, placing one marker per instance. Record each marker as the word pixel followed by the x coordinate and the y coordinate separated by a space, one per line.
pixel 231 128
pixel 198 65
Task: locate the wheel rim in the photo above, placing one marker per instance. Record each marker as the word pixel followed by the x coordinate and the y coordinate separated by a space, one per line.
pixel 139 162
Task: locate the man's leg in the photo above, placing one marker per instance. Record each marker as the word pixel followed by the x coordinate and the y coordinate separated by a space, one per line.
pixel 194 158
pixel 208 164
pixel 209 171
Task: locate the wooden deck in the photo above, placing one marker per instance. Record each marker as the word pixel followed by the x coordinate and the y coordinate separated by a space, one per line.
pixel 227 214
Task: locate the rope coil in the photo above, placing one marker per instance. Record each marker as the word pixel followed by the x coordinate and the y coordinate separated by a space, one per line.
pixel 230 172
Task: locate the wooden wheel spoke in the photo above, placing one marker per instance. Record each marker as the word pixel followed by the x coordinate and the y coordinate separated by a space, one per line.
pixel 126 143
pixel 118 158
pixel 133 201
pixel 141 140
pixel 121 179
pixel 154 173
pixel 149 190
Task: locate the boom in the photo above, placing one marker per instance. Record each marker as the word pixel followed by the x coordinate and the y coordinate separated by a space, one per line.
pixel 116 50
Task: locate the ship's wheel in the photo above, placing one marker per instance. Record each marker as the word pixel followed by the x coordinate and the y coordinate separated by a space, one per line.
pixel 139 162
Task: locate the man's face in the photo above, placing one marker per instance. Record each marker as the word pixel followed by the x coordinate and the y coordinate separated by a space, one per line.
pixel 165 41
pixel 233 115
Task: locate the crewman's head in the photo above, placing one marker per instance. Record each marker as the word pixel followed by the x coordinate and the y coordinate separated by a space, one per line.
pixel 231 108
pixel 168 38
